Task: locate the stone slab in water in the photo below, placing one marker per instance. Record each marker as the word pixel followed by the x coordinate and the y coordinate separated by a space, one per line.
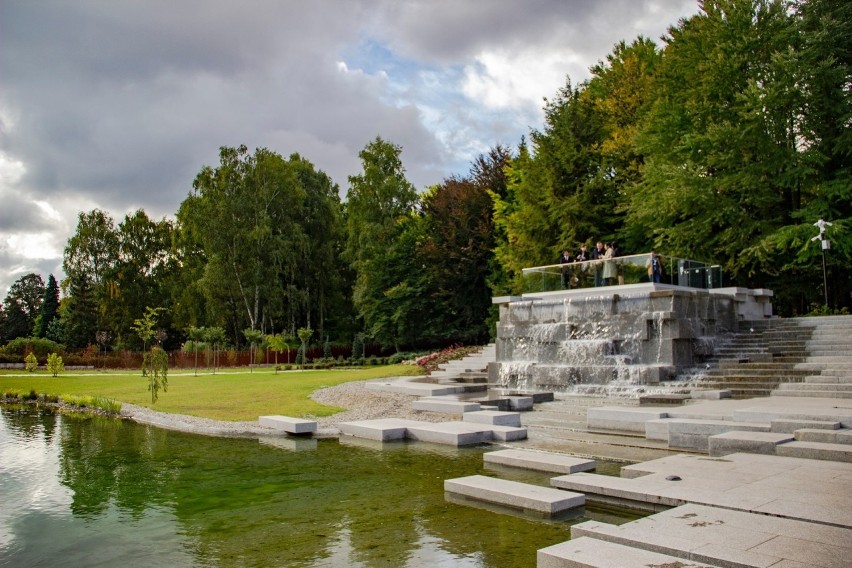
pixel 508 433
pixel 539 461
pixel 383 430
pixel 721 537
pixel 514 494
pixel 288 443
pixel 495 417
pixel 450 433
pixel 288 424
pixel 585 552
pixel 794 488
pixel 709 394
pixel 751 442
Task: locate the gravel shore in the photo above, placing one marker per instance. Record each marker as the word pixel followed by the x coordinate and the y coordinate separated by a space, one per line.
pixel 360 404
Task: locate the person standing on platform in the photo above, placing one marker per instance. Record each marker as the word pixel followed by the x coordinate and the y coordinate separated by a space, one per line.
pixel 598 254
pixel 609 266
pixel 655 268
pixel 566 258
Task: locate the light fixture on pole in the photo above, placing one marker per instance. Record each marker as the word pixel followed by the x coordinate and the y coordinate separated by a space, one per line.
pixel 825 245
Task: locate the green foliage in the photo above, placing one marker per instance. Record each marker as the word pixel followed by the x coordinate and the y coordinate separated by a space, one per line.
pixel 101 403
pixel 158 377
pixel 304 334
pixel 49 310
pixel 55 364
pixel 254 337
pixel 40 347
pixel 30 362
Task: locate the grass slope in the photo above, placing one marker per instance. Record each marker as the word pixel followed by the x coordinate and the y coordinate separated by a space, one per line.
pixel 225 396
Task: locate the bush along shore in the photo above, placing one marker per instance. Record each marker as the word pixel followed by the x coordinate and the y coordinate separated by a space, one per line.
pixel 95 405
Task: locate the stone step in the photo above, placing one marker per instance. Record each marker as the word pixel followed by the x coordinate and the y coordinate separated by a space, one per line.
pixel 815 451
pixel 444 405
pixel 828 379
pixel 813 394
pixel 721 537
pixel 514 494
pixel 838 436
pixel 539 461
pixel 298 426
pixel 816 387
pixel 585 552
pixel 747 442
pixel 494 417
pixel 791 426
pixel 449 433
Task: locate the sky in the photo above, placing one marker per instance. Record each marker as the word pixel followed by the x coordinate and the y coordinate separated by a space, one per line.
pixel 117 105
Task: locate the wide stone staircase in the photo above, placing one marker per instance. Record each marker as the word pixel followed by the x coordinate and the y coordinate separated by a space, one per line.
pixel 473 368
pixel 809 356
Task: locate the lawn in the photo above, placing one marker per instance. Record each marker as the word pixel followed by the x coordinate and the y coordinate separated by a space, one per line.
pixel 227 395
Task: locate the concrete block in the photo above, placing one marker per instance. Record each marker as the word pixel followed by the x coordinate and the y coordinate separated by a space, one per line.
pixel 629 419
pixel 521 402
pixel 508 433
pixel 749 442
pixel 585 552
pixel 816 451
pixel 825 436
pixel 450 433
pixel 445 406
pixel 494 417
pixel 288 424
pixel 383 430
pixel 514 494
pixel 707 394
pixel 788 426
pixel 657 429
pixel 289 443
pixel 539 461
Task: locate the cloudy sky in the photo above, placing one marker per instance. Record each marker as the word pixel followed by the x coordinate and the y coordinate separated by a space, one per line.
pixel 118 104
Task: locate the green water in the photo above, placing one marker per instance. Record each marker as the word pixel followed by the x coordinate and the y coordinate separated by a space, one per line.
pixel 98 492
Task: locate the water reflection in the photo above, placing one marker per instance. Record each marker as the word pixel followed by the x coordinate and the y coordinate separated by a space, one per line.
pixel 87 492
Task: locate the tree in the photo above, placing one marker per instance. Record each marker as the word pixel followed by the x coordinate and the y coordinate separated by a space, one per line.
pixel 196 335
pixel 145 329
pixel 254 337
pixel 22 305
pixel 305 334
pixel 214 336
pixel 278 343
pixel 55 364
pixel 79 320
pixel 378 200
pixel 49 307
pixel 30 362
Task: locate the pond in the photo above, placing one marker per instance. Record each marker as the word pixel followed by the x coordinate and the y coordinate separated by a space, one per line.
pixel 79 491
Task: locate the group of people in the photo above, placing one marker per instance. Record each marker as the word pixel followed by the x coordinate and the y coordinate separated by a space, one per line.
pixel 605 273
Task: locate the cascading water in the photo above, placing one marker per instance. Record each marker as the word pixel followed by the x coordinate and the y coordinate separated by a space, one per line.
pixel 606 343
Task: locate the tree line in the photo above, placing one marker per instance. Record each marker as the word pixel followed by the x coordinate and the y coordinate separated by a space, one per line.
pixel 723 143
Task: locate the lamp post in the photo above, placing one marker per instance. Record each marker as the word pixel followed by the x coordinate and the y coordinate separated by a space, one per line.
pixel 825 245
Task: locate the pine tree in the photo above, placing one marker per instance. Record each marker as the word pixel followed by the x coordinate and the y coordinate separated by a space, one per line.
pixel 49 307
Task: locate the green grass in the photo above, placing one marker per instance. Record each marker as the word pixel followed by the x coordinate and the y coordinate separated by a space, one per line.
pixel 227 395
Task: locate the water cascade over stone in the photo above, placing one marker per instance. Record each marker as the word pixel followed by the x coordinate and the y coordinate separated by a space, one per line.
pixel 615 339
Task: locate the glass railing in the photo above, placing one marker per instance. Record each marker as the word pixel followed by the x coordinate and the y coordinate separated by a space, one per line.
pixel 622 270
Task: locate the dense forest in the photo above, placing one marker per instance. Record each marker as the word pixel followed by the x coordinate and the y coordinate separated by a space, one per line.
pixel 723 143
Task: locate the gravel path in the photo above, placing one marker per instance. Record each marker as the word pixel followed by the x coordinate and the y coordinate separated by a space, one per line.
pixel 360 404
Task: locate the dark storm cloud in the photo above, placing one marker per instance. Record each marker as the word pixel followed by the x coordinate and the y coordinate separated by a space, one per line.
pixel 118 105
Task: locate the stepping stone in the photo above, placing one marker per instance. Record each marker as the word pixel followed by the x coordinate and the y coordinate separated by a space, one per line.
pixel 539 461
pixel 383 430
pixel 585 552
pixel 508 433
pixel 445 406
pixel 289 425
pixel 816 451
pixel 515 494
pixel 449 433
pixel 287 443
pixel 494 417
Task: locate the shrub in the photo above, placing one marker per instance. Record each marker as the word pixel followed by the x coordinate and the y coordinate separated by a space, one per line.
pixel 30 362
pixel 54 364
pixel 40 346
